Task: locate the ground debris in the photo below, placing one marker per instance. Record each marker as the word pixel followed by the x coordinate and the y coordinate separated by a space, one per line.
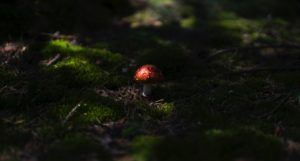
pixel 11 53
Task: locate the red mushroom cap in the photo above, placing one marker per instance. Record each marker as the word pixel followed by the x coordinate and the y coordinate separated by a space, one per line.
pixel 148 74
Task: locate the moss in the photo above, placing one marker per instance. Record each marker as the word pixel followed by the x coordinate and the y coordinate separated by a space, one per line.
pixel 241 25
pixel 245 31
pixel 156 14
pixel 82 66
pixel 78 71
pixel 145 18
pixel 143 146
pixel 219 145
pixel 165 109
pixel 147 118
pixel 62 47
pixel 96 113
pixel 161 2
pixel 68 49
pixel 89 112
pixel 75 147
pixel 188 23
pixel 162 111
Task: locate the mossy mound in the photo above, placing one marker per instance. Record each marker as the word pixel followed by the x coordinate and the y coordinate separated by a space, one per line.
pixel 91 111
pixel 212 145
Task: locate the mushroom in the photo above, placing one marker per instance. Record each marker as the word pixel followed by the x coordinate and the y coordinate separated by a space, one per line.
pixel 148 75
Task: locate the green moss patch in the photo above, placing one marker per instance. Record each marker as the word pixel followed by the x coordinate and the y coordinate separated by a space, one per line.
pixel 91 111
pixel 68 49
pixel 212 145
pixel 78 71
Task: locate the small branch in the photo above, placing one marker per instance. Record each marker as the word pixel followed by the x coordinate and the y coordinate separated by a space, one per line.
pixel 53 60
pixel 71 113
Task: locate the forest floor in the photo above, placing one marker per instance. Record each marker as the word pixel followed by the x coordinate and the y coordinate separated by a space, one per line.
pixel 231 91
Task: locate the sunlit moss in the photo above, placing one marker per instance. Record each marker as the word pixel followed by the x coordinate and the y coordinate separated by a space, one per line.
pixel 98 113
pixel 68 49
pixel 77 71
pixel 62 47
pixel 73 63
pixel 165 109
pixel 80 65
pixel 237 24
pixel 162 111
pixel 88 112
pixel 158 13
pixel 145 18
pixel 161 2
pixel 109 58
pixel 188 23
pixel 249 30
pixel 239 30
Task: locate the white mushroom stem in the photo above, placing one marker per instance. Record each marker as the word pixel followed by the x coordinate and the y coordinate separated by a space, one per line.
pixel 146 90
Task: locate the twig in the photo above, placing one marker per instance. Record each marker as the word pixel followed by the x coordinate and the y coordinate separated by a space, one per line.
pixel 53 60
pixel 234 49
pixel 71 113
